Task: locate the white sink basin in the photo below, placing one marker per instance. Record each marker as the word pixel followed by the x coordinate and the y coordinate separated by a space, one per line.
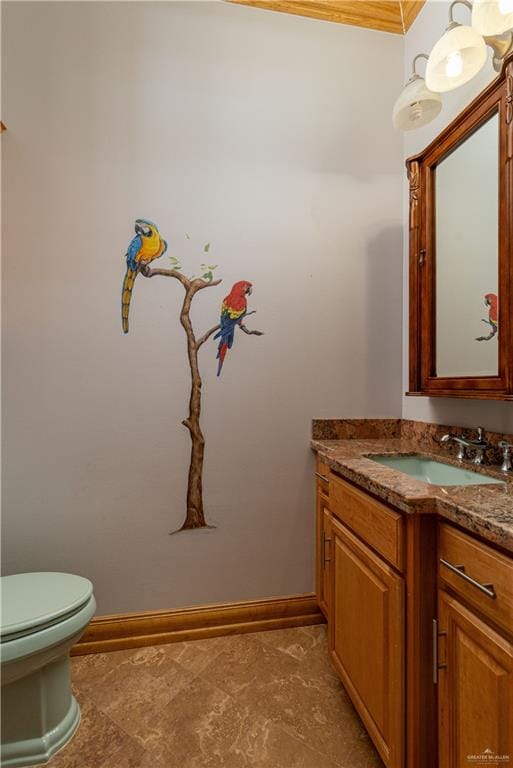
pixel 434 472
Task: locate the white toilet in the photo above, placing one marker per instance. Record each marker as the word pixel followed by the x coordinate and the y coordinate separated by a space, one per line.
pixel 42 616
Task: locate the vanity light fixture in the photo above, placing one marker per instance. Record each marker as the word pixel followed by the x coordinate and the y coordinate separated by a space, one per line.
pixel 461 51
pixel 416 105
pixel 457 57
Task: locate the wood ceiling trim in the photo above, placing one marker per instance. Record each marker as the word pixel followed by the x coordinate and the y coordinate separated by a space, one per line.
pixel 411 9
pixel 394 16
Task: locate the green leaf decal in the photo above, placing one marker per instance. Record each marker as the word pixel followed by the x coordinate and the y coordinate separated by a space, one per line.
pixel 206 248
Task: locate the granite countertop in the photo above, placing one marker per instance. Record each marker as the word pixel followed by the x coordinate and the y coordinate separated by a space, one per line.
pixel 486 510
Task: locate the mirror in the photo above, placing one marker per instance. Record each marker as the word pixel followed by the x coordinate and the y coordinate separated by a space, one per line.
pixel 461 252
pixel 467 256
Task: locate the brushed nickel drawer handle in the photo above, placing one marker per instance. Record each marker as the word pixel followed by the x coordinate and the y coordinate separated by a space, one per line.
pixel 459 570
pixel 322 477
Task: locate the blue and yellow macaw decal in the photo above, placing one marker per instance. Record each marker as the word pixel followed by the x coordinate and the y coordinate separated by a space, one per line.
pixel 145 247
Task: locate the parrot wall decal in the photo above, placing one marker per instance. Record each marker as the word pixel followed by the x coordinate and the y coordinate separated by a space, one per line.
pixel 492 302
pixel 145 247
pixel 233 310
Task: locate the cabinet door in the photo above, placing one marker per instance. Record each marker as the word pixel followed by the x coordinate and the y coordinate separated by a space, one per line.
pixel 475 690
pixel 324 544
pixel 367 639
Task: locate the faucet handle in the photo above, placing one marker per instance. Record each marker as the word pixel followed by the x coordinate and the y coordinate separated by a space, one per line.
pixel 481 445
pixel 506 455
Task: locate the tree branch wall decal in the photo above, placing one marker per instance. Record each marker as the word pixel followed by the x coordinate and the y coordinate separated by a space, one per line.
pixel 145 247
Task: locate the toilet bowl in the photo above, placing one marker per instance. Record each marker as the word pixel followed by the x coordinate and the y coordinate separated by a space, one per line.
pixel 42 616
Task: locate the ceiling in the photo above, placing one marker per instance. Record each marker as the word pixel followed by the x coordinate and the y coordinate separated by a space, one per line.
pixel 386 15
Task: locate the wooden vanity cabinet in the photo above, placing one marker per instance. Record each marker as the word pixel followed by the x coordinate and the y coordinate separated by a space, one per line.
pixel 366 624
pixel 420 627
pixel 376 583
pixel 475 652
pixel 475 689
pixel 323 538
pixel 366 639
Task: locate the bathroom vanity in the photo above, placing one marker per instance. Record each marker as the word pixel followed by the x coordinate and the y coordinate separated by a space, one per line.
pixel 416 584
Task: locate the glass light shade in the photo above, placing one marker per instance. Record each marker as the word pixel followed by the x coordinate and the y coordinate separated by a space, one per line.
pixel 456 58
pixel 492 17
pixel 416 105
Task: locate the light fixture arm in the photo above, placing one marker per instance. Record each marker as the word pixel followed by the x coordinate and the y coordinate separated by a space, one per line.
pixel 466 3
pixel 414 73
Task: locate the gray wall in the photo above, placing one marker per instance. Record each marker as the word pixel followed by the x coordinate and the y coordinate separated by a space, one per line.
pixel 422 35
pixel 268 135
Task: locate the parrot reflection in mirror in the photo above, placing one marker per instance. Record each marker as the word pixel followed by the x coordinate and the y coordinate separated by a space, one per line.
pixel 492 302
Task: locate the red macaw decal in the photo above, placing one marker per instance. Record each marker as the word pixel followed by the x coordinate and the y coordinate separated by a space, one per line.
pixel 233 310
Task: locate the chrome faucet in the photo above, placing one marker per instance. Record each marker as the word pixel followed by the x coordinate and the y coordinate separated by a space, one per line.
pixel 478 444
pixel 507 466
pixel 461 441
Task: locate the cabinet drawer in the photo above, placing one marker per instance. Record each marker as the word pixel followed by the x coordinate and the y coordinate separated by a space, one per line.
pixel 479 574
pixel 322 473
pixel 378 525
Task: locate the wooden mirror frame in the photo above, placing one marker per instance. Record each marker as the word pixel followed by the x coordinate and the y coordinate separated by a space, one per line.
pixel 496 98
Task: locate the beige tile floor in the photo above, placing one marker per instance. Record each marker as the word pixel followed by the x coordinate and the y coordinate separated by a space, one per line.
pixel 263 700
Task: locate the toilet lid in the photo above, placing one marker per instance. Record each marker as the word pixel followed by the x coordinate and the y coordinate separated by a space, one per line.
pixel 33 600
